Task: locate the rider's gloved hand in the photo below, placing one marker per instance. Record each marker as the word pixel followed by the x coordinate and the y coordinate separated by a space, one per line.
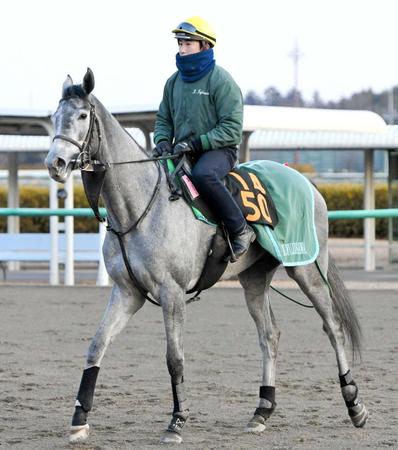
pixel 192 147
pixel 163 147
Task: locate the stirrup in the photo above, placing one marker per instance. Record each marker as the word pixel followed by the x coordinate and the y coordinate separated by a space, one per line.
pixel 229 257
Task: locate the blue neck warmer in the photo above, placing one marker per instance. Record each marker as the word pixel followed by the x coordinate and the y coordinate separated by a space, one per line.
pixel 194 67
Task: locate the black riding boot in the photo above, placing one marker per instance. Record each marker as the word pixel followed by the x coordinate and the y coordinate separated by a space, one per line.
pixel 241 242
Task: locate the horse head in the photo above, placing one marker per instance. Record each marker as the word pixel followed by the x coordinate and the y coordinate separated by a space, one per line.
pixel 73 123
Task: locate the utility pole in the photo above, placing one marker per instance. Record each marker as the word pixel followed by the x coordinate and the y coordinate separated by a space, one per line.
pixel 389 163
pixel 391 106
pixel 296 55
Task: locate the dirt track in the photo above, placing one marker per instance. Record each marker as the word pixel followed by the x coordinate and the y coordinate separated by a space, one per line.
pixel 45 331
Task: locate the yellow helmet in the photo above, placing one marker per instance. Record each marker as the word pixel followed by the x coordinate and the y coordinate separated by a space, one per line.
pixel 197 29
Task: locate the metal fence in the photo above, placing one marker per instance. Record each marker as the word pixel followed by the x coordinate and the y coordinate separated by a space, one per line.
pixel 87 212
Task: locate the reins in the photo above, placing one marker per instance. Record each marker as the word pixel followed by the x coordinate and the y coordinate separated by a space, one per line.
pixel 84 161
pixel 138 161
pixel 290 298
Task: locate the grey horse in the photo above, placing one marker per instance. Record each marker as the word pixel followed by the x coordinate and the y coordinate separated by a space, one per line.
pixel 167 251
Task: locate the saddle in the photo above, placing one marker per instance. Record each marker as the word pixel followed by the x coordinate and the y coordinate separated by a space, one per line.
pixel 250 195
pixel 248 191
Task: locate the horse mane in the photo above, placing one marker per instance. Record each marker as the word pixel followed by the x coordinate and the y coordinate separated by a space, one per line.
pixel 75 91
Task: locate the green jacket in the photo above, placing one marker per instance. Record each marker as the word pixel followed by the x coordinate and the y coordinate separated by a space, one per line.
pixel 210 109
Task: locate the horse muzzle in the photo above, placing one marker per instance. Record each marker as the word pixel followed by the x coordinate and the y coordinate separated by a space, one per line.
pixel 59 168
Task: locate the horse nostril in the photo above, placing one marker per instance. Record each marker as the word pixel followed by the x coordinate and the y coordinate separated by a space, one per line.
pixel 59 164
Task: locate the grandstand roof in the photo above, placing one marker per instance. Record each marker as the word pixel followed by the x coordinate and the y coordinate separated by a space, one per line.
pixel 296 139
pixel 311 119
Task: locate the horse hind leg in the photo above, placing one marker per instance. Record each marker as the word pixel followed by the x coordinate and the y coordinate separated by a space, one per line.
pixel 342 303
pixel 333 304
pixel 120 308
pixel 255 282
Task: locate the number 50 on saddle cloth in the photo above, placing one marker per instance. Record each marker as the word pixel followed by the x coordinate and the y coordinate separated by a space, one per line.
pixel 253 199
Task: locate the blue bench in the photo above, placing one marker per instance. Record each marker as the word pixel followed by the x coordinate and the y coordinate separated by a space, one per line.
pixel 32 247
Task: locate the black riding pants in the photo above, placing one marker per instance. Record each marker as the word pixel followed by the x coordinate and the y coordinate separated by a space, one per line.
pixel 207 174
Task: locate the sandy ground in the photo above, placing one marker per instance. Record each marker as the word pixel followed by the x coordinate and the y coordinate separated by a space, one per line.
pixel 45 332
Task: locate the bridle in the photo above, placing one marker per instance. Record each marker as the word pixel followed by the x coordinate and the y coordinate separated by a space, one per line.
pixel 84 160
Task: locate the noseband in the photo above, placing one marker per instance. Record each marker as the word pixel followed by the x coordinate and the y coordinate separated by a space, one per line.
pixel 84 160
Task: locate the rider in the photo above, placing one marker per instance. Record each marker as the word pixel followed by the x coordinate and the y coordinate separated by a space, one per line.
pixel 201 113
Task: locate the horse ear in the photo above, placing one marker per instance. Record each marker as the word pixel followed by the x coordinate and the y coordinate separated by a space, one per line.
pixel 67 83
pixel 88 81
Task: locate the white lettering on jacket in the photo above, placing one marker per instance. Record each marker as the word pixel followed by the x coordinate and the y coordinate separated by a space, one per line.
pixel 200 92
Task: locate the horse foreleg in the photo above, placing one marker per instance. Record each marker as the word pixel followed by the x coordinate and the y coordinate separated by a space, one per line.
pixel 120 308
pixel 173 306
pixel 255 282
pixel 339 319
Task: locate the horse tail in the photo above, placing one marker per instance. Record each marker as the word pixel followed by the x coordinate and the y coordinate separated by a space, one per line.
pixel 343 307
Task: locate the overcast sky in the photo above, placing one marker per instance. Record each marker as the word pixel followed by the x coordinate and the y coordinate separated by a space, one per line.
pixel 347 45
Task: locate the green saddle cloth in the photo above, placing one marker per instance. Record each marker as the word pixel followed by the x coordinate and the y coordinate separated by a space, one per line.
pixel 293 241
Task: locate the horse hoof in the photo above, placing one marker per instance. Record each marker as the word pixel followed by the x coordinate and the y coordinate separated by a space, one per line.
pixel 256 425
pixel 169 437
pixel 360 418
pixel 78 433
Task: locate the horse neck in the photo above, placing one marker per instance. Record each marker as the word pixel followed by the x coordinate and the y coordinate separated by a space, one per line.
pixel 127 188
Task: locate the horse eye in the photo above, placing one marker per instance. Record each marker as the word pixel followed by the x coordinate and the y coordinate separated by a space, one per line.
pixel 83 116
